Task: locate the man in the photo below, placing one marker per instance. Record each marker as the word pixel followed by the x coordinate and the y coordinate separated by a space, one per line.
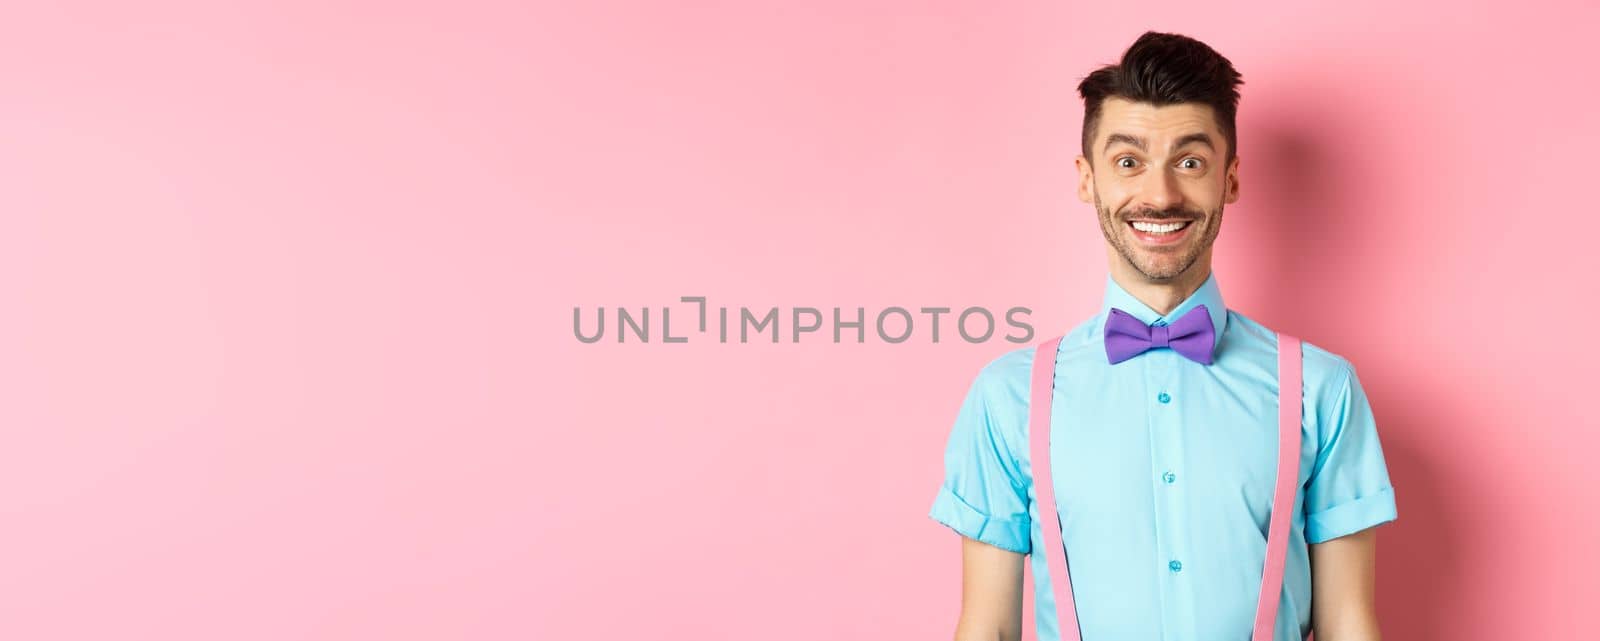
pixel 1164 464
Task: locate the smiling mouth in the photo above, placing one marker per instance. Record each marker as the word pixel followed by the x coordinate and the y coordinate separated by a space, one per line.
pixel 1159 228
pixel 1160 233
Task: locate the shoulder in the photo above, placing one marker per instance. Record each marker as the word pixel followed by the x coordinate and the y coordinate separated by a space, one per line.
pixel 1003 381
pixel 1329 380
pixel 1000 391
pixel 1009 376
pixel 1322 369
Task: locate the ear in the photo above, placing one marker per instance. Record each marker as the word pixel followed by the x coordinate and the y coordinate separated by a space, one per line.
pixel 1085 179
pixel 1230 191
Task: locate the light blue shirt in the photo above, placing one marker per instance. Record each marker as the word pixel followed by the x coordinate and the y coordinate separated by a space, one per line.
pixel 1164 471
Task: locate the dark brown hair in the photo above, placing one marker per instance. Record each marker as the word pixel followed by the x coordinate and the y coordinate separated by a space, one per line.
pixel 1165 69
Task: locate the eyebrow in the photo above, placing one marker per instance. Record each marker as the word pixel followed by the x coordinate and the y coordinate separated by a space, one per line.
pixel 1127 140
pixel 1139 143
pixel 1201 138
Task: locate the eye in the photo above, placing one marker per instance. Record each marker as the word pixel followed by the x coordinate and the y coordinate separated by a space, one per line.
pixel 1190 163
pixel 1126 162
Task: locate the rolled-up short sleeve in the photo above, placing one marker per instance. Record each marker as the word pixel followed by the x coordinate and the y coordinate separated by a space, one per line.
pixel 1349 488
pixel 984 495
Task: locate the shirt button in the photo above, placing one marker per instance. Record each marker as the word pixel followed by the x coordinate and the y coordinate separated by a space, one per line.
pixel 1175 566
pixel 1164 397
pixel 1169 477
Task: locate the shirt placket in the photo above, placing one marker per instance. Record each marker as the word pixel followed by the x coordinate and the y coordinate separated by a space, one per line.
pixel 1172 560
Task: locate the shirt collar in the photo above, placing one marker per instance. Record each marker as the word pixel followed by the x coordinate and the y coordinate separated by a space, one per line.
pixel 1209 294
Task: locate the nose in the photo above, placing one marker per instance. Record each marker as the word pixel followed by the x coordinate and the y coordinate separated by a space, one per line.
pixel 1160 190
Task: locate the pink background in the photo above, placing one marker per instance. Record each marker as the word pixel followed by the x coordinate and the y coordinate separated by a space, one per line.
pixel 287 349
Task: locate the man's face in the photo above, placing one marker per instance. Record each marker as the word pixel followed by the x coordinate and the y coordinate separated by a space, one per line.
pixel 1155 167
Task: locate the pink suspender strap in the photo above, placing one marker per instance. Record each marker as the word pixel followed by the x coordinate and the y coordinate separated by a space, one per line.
pixel 1044 385
pixel 1289 388
pixel 1288 481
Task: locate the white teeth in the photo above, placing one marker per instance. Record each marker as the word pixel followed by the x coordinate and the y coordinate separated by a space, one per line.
pixel 1153 228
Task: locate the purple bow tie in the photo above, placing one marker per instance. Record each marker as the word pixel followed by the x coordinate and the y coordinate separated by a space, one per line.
pixel 1191 335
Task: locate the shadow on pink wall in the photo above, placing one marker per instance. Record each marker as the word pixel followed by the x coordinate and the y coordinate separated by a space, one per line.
pixel 1315 206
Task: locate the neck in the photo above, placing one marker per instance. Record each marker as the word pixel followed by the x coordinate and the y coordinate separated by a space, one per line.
pixel 1161 295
